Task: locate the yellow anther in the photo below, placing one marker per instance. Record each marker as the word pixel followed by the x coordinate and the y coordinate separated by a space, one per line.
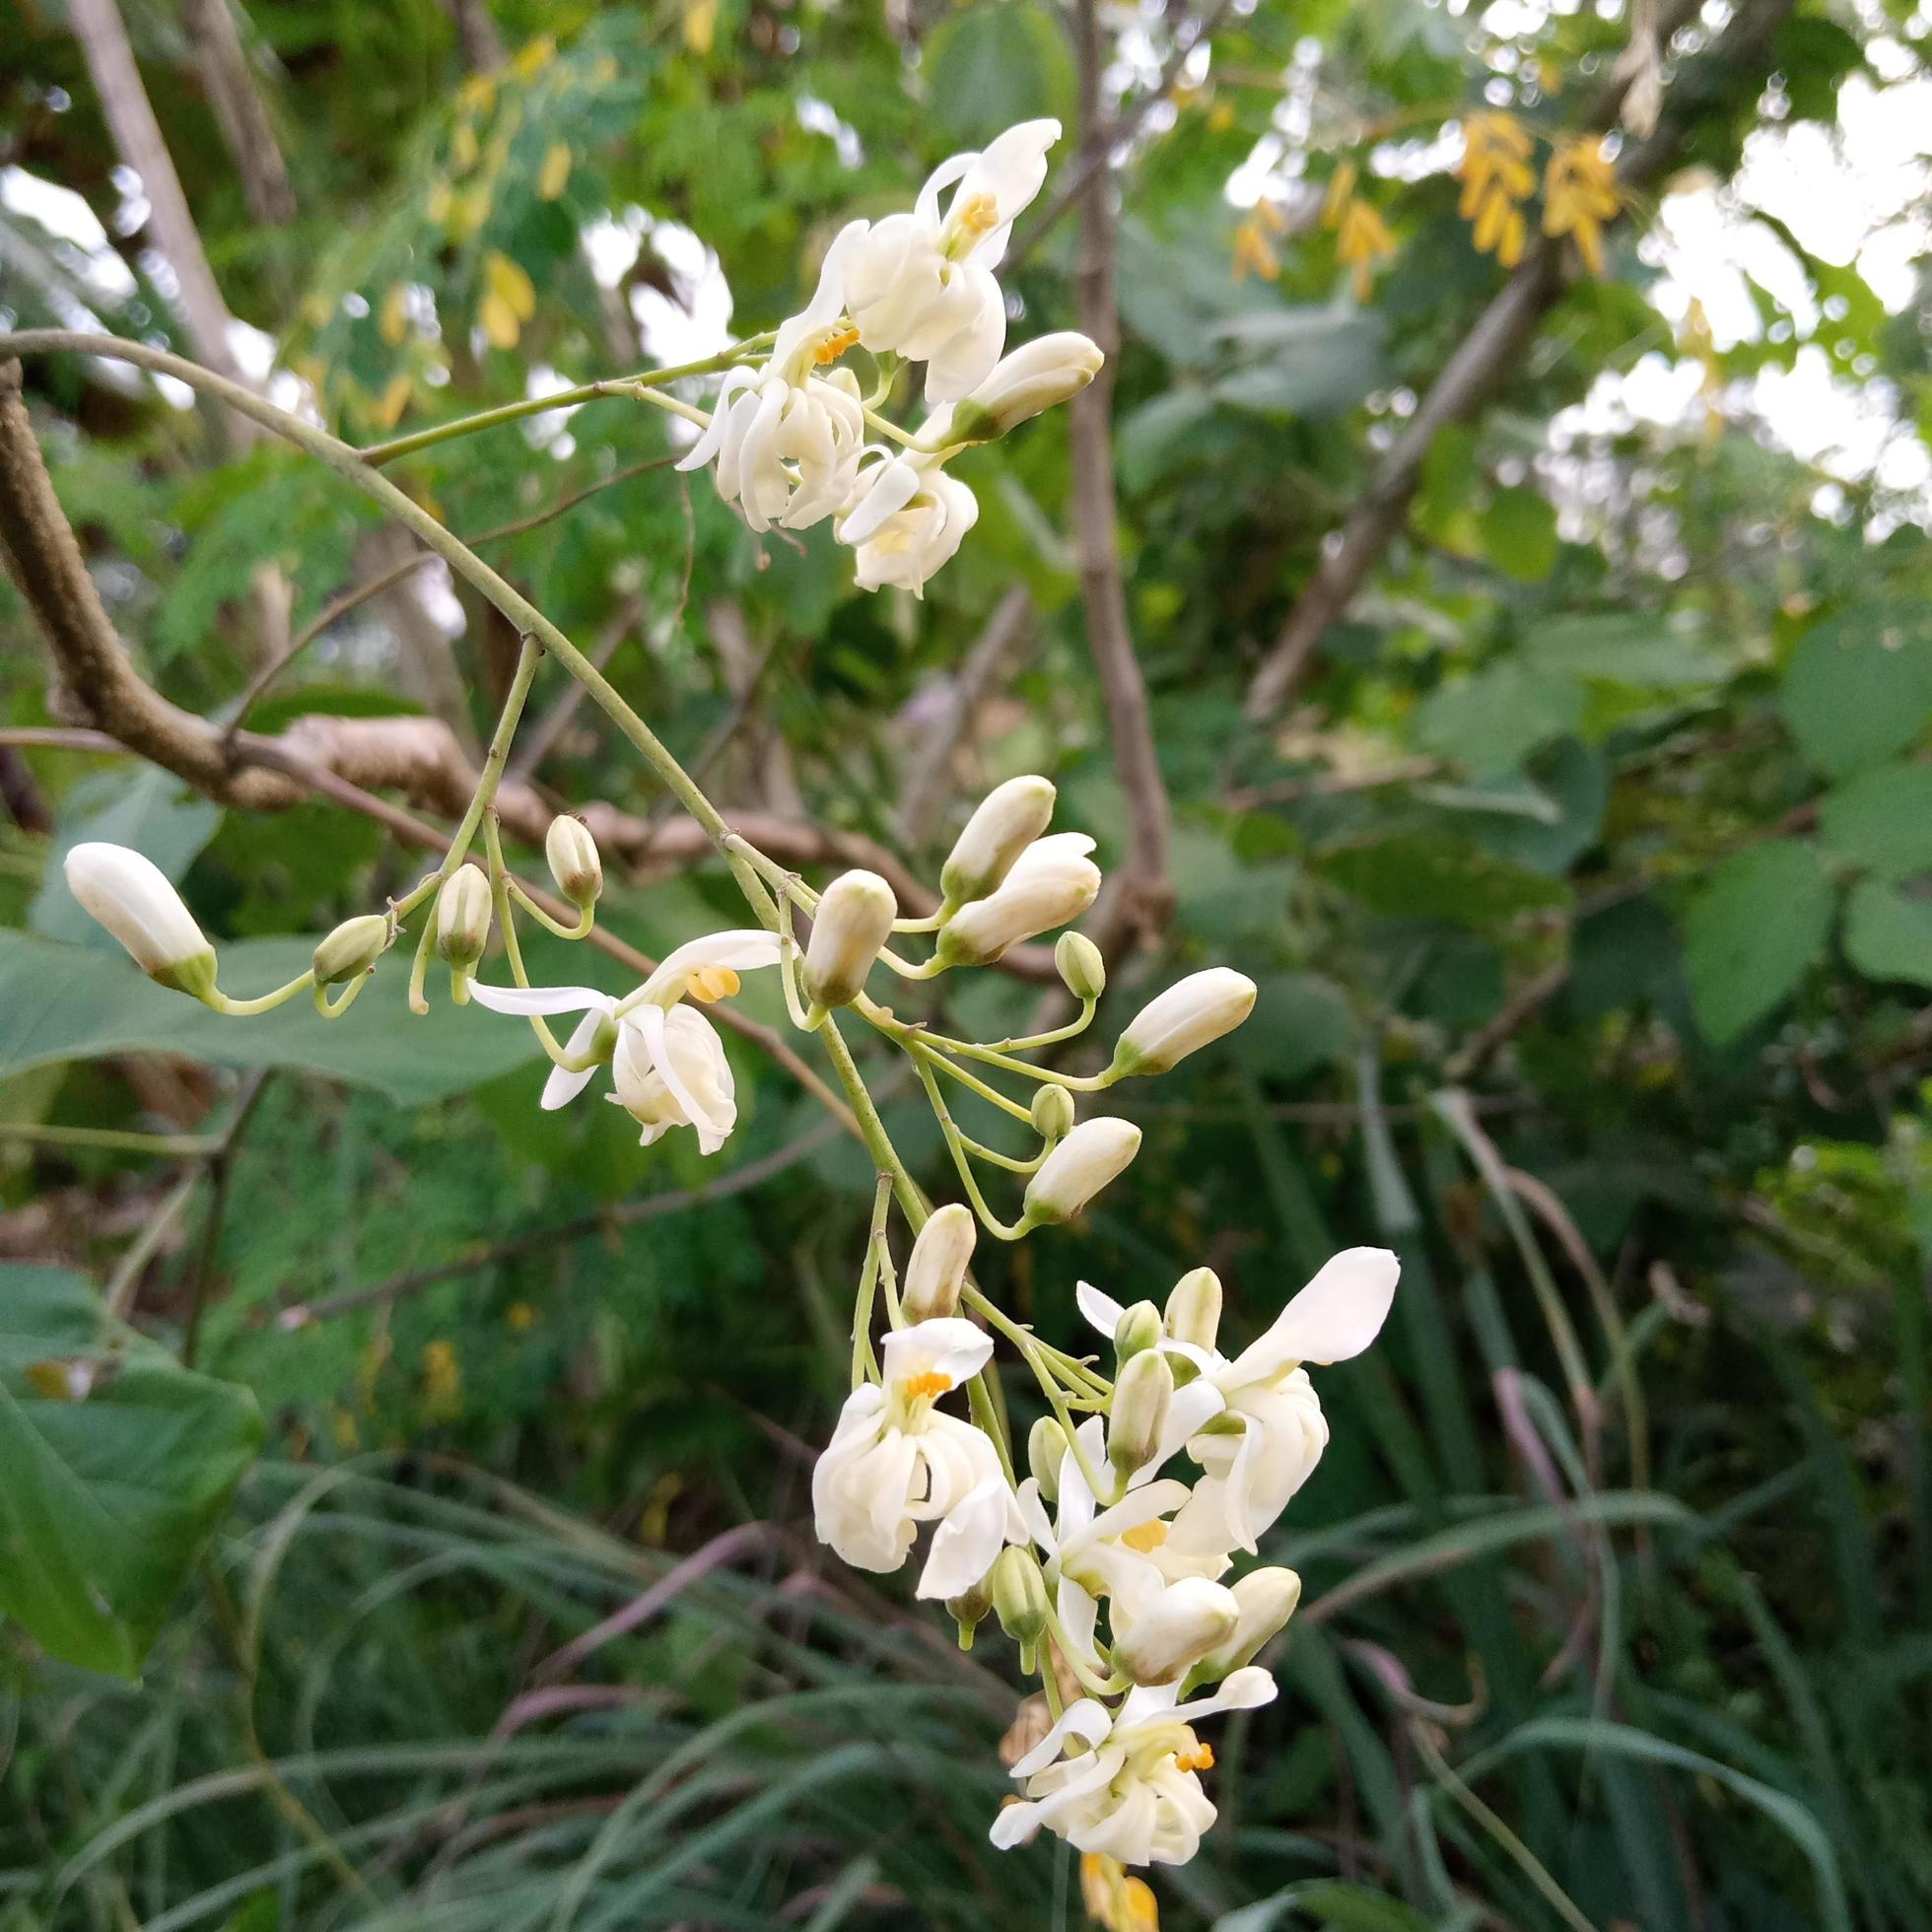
pixel 835 345
pixel 927 1382
pixel 979 214
pixel 710 983
pixel 1150 1536
pixel 1200 1759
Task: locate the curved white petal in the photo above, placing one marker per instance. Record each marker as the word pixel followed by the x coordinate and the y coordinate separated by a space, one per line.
pixel 1087 1719
pixel 541 998
pixel 1101 1310
pixel 1333 1319
pixel 742 948
pixel 967 1542
pixel 564 1085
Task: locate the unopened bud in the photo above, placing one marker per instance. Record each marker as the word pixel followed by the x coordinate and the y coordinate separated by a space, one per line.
pixel 1019 1595
pixel 1266 1599
pixel 574 860
pixel 354 947
pixel 1138 1329
pixel 462 916
pixel 1187 1620
pixel 1051 882
pixel 1142 1395
pixel 1095 1152
pixel 1045 1450
pixel 1053 1111
pixel 971 1607
pixel 853 920
pixel 1186 1017
pixel 1194 1309
pixel 1036 376
pixel 1009 819
pixel 1081 965
pixel 938 1268
pixel 135 900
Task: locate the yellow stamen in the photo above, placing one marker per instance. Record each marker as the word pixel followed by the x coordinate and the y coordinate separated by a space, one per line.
pixel 929 1382
pixel 710 983
pixel 1200 1759
pixel 835 345
pixel 1150 1536
pixel 978 214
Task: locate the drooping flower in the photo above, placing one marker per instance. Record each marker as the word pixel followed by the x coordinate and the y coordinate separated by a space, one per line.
pixel 1129 1787
pixel 1034 377
pixel 922 284
pixel 897 1461
pixel 906 519
pixel 786 439
pixel 1266 1444
pixel 1579 195
pixel 135 900
pixel 668 1062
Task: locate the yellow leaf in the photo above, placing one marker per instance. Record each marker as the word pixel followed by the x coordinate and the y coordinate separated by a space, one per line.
pixel 462 146
pixel 1341 191
pixel 477 94
pixel 534 57
pixel 393 401
pixel 700 24
pixel 554 172
pixel 499 322
pixel 1221 117
pixel 51 1381
pixel 1253 253
pixel 469 211
pixel 316 310
pixel 394 318
pixel 508 280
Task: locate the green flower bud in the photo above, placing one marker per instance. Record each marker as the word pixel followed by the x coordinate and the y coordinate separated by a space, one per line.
pixel 1194 1309
pixel 938 1268
pixel 462 916
pixel 574 860
pixel 135 900
pixel 1053 1111
pixel 1045 1450
pixel 1138 1329
pixel 1081 965
pixel 1266 1600
pixel 1185 1018
pixel 971 1607
pixel 1019 1595
pixel 1142 1395
pixel 1095 1152
pixel 1009 819
pixel 354 947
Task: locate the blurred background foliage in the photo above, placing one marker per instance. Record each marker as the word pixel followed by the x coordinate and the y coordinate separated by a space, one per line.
pixel 1584 867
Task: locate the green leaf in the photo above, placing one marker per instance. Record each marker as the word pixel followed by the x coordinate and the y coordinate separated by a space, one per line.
pixel 1760 922
pixel 1889 937
pixel 991 66
pixel 1329 1904
pixel 118 1465
pixel 1623 647
pixel 1432 875
pixel 1491 722
pixel 1882 820
pixel 149 809
pixel 1519 531
pixel 1301 1021
pixel 72 1002
pixel 1859 689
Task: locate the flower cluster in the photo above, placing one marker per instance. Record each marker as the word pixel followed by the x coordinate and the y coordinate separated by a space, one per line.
pixel 788 435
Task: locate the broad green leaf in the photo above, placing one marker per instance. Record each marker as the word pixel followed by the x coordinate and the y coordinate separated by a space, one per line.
pixel 1519 531
pixel 1889 937
pixel 118 1465
pixel 147 809
pixel 73 1003
pixel 1301 1021
pixel 988 67
pixel 1623 647
pixel 1432 875
pixel 1859 689
pixel 1760 922
pixel 1491 722
pixel 1882 820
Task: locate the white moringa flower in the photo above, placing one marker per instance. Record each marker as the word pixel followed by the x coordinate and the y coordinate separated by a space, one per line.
pixel 1097 1151
pixel 1189 1015
pixel 1005 823
pixel 906 519
pixel 921 283
pixel 1266 1599
pixel 1051 882
pixel 1130 1791
pixel 1189 1620
pixel 895 1461
pixel 788 439
pixel 941 1256
pixel 134 899
pixel 668 1060
pixel 853 922
pixel 1035 377
pixel 1254 1470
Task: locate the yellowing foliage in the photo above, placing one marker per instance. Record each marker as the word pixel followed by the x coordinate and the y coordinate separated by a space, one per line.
pixel 1254 246
pixel 1579 195
pixel 1497 178
pixel 552 177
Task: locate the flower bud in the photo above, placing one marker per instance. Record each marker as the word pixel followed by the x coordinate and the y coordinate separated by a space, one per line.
pixel 938 1268
pixel 1051 882
pixel 1045 1450
pixel 1080 966
pixel 574 860
pixel 1095 1152
pixel 1053 1112
pixel 1139 1328
pixel 969 1609
pixel 1186 1017
pixel 462 916
pixel 354 947
pixel 1194 1309
pixel 1010 818
pixel 853 922
pixel 1034 377
pixel 134 899
pixel 1187 1620
pixel 1266 1599
pixel 1019 1595
pixel 1142 1395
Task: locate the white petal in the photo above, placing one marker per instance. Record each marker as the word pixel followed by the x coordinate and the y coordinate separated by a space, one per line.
pixel 1014 1825
pixel 1087 1719
pixel 741 950
pixel 1247 1689
pixel 893 486
pixel 541 998
pixel 1191 1410
pixel 1102 1310
pixel 564 1086
pixel 1334 1318
pixel 949 1346
pixel 967 1542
